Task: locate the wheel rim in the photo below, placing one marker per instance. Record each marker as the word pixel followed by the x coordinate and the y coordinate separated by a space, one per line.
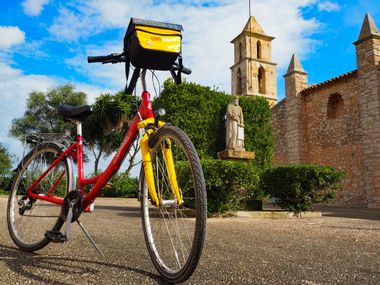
pixel 170 229
pixel 29 219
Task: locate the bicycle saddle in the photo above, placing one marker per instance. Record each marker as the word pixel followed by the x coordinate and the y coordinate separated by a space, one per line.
pixel 74 113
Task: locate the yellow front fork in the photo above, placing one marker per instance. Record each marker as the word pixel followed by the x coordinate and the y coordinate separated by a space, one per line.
pixel 169 162
pixel 148 167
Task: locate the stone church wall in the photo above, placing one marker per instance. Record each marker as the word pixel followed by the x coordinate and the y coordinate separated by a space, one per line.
pixel 333 135
pixel 331 120
pixel 279 131
pixel 336 122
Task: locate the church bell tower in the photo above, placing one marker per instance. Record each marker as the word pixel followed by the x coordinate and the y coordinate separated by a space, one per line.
pixel 253 72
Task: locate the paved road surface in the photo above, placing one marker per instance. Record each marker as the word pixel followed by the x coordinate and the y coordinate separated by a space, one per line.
pixel 342 247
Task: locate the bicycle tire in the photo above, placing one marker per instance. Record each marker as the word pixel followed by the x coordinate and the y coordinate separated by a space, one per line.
pixel 157 241
pixel 28 220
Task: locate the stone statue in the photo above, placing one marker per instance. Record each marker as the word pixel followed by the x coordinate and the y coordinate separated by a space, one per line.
pixel 235 126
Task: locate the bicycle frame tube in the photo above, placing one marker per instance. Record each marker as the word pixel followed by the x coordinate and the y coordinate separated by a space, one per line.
pixel 145 111
pixel 49 197
pixel 143 118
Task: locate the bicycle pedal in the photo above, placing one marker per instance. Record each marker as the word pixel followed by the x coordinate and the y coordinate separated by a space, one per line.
pixel 55 236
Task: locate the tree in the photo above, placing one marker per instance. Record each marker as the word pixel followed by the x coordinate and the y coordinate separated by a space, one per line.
pixel 5 167
pixel 200 112
pixel 41 116
pixel 103 130
pixel 106 127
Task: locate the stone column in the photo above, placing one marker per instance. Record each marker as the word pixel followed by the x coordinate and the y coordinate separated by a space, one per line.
pixel 295 82
pixel 368 59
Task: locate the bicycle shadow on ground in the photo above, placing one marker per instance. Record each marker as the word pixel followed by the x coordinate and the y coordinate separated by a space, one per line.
pixel 126 211
pixel 33 266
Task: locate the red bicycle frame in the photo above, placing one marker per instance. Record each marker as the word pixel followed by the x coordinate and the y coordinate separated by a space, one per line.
pixel 75 150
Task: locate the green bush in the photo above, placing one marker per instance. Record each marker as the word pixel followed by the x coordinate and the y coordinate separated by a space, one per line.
pixel 5 170
pixel 5 183
pixel 123 186
pixel 200 112
pixel 297 187
pixel 228 183
pixel 4 192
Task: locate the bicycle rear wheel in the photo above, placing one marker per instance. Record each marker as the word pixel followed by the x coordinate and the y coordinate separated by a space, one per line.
pixel 174 234
pixel 28 219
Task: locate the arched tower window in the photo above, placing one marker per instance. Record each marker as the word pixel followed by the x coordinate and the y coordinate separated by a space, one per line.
pixel 261 80
pixel 240 51
pixel 258 49
pixel 238 82
pixel 335 106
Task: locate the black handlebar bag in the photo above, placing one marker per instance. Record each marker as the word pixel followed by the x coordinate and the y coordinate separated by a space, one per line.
pixel 152 45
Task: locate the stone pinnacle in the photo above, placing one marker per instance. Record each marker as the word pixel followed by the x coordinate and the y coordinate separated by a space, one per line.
pixel 295 65
pixel 368 28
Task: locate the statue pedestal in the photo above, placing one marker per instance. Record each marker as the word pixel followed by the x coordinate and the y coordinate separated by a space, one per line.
pixel 230 154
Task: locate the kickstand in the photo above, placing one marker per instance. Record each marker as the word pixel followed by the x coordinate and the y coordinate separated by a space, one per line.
pixel 90 238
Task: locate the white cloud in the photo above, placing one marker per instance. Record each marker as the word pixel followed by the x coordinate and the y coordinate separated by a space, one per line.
pixel 208 31
pixel 353 15
pixel 91 91
pixel 34 7
pixel 10 36
pixel 100 74
pixel 15 88
pixel 71 26
pixel 113 12
pixel 329 6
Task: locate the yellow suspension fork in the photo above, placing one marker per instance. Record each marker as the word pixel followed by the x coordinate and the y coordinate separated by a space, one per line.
pixel 169 162
pixel 148 167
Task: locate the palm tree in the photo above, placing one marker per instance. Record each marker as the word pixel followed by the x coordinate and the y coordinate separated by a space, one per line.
pixel 106 127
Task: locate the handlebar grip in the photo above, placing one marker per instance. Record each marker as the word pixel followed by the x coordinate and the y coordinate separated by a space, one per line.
pixel 186 70
pixel 91 59
pixel 183 69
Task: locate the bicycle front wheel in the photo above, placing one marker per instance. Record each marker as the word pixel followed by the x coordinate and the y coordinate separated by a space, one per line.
pixel 28 219
pixel 174 232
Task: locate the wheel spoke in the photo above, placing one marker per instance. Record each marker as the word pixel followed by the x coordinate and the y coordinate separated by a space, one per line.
pixel 170 230
pixel 27 228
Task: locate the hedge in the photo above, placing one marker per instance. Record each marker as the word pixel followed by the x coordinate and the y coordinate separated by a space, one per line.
pixel 297 187
pixel 200 112
pixel 122 186
pixel 228 183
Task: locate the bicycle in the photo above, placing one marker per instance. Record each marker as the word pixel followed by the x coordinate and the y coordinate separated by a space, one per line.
pixel 46 194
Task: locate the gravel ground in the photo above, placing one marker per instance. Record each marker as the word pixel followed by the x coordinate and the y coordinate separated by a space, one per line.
pixel 342 247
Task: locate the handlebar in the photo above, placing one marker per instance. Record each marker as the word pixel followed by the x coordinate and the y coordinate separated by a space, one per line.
pixel 112 58
pixel 184 69
pixel 120 57
pixel 175 70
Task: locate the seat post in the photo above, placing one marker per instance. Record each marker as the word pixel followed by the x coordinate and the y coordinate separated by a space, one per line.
pixel 79 128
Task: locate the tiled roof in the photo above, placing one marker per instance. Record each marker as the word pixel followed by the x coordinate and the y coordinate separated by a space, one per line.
pixel 330 80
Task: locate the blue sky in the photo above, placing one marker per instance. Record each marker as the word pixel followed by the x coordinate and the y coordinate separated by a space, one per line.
pixel 45 43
